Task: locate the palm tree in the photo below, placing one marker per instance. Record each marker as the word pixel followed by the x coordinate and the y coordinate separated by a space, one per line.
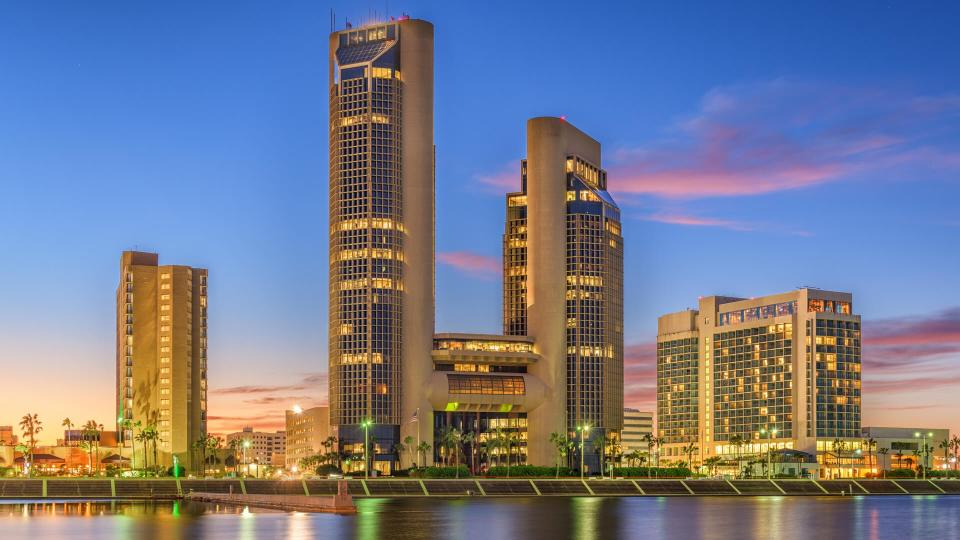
pixel 214 444
pixel 562 444
pixel 409 444
pixel 422 450
pixel 883 467
pixel 31 426
pixel 470 438
pixel 200 446
pixel 234 446
pixel 871 445
pixel 955 443
pixel 651 441
pixel 945 445
pixel 839 446
pixel 689 450
pixel 69 425
pixel 899 456
pixel 711 463
pixel 737 441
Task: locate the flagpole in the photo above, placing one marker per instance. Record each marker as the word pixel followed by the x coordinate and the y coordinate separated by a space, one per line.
pixel 418 432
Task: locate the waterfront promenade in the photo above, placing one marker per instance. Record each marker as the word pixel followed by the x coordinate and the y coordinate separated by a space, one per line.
pixel 109 488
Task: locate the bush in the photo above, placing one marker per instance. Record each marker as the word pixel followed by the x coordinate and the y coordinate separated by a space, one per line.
pixel 900 473
pixel 528 470
pixel 652 472
pixel 327 469
pixel 440 472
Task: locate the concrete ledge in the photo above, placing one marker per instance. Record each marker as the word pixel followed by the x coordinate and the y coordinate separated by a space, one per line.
pixel 337 504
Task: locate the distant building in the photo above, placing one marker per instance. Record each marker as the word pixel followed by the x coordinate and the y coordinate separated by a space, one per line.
pixel 306 432
pixel 265 448
pixel 903 446
pixel 7 437
pixel 636 426
pixel 162 353
pixel 779 371
pixel 75 437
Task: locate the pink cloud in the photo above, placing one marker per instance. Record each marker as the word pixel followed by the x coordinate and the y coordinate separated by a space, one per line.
pixel 475 264
pixel 697 221
pixel 776 136
pixel 505 180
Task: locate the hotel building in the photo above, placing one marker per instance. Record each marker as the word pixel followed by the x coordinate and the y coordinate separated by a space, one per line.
pixel 162 353
pixel 381 231
pixel 306 432
pixel 780 371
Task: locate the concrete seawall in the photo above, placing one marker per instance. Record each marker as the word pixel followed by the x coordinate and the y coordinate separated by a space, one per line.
pixel 172 488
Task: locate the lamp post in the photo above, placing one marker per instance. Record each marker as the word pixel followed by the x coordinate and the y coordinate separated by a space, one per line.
pixel 584 429
pixel 923 450
pixel 246 464
pixel 366 447
pixel 770 433
pixel 120 422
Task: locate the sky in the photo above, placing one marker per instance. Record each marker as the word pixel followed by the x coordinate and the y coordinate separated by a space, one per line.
pixel 754 147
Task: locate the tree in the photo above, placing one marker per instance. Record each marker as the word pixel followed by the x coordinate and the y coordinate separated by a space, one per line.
pixel 839 446
pixel 899 456
pixel 738 442
pixel 422 450
pixel 711 463
pixel 200 447
pixel 563 445
pixel 470 438
pixel 91 433
pixel 689 450
pixel 871 445
pixel 945 445
pixel 213 445
pixel 69 425
pixel 409 444
pixel 651 442
pixel 31 426
pixel 883 467
pixel 234 446
pixel 955 443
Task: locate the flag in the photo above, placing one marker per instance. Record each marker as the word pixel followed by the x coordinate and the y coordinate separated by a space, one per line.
pixel 415 414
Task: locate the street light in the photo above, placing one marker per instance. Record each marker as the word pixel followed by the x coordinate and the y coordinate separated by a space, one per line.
pixel 246 465
pixel 122 430
pixel 366 447
pixel 771 433
pixel 923 450
pixel 584 429
pixel 297 409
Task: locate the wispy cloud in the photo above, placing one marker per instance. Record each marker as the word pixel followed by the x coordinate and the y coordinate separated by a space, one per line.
pixel 782 135
pixel 912 354
pixel 503 180
pixel 474 264
pixel 309 382
pixel 690 220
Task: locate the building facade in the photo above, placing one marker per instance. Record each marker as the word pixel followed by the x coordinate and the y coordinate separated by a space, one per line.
pixel 637 426
pixel 162 354
pixel 7 436
pixel 563 285
pixel 381 230
pixel 781 372
pixel 306 432
pixel 905 448
pixel 264 448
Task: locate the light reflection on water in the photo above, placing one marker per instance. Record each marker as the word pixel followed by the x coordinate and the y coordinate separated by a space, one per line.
pixel 543 517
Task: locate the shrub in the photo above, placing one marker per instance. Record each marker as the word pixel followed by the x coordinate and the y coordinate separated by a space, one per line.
pixel 327 469
pixel 440 472
pixel 528 470
pixel 900 473
pixel 653 472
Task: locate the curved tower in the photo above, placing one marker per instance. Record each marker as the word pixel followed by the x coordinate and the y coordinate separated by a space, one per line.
pixel 381 233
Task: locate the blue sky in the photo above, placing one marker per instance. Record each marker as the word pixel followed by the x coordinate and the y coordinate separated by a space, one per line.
pixel 755 147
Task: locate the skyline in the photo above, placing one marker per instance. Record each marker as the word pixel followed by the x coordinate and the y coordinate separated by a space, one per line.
pixel 696 171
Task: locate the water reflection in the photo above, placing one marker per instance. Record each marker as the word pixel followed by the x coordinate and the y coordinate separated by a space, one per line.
pixel 543 517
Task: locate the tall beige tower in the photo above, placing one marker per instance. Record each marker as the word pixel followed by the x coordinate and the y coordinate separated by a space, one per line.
pixel 563 285
pixel 381 233
pixel 162 353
